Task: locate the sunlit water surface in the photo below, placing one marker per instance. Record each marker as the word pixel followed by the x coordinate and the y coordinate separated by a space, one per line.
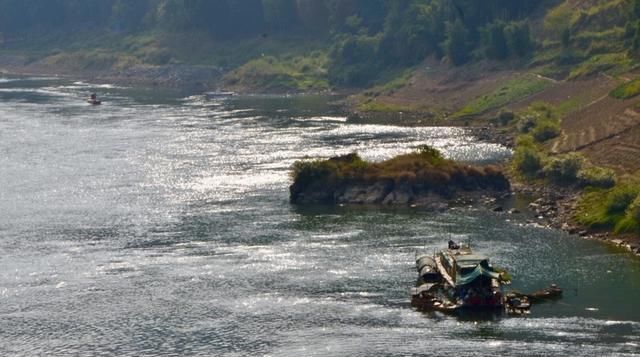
pixel 159 224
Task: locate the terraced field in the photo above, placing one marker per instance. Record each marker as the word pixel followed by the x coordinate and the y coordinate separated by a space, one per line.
pixel 569 96
pixel 441 90
pixel 606 130
pixel 620 152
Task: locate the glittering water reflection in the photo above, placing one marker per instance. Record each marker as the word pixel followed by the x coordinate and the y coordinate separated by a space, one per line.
pixel 159 224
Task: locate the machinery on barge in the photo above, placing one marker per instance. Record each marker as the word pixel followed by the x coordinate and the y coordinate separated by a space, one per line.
pixel 456 279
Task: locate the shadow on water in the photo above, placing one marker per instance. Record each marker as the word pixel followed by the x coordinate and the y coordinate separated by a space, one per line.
pixel 484 315
pixel 320 209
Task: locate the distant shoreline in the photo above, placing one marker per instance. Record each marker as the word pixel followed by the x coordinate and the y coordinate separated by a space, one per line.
pixel 171 76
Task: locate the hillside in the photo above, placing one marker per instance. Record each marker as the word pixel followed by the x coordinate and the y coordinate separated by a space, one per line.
pixel 574 74
pixel 300 45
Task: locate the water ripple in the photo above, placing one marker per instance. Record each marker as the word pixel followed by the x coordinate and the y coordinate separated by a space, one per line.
pixel 159 224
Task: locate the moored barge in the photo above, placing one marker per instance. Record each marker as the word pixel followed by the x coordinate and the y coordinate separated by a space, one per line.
pixel 456 279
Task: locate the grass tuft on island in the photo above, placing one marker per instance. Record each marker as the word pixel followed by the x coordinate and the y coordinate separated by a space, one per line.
pixel 415 178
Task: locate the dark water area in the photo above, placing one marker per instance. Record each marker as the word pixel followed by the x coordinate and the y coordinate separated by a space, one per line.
pixel 158 224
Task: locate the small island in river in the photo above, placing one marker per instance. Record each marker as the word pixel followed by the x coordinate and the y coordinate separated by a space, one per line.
pixel 422 178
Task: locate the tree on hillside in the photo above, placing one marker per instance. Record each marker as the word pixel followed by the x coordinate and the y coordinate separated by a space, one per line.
pixel 413 31
pixel 172 15
pixel 518 38
pixel 280 15
pixel 206 15
pixel 85 13
pixel 47 15
pixel 128 15
pixel 635 9
pixel 353 60
pixel 635 44
pixel 494 40
pixel 313 14
pixel 245 18
pixel 371 13
pixel 565 38
pixel 455 45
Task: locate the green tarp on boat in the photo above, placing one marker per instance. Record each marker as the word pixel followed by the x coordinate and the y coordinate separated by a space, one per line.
pixel 476 273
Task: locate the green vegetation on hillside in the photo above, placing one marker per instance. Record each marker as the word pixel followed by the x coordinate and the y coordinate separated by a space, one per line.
pixel 608 202
pixel 372 105
pixel 365 39
pixel 317 44
pixel 271 74
pixel 617 208
pixel 509 92
pixel 611 63
pixel 537 126
pixel 627 90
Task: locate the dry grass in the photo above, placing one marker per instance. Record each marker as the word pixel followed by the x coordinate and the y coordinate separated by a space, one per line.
pixel 425 167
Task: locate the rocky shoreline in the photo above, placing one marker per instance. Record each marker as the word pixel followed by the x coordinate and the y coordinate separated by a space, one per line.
pixel 390 193
pixel 555 207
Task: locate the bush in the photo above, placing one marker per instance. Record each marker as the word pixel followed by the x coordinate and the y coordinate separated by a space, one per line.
pixel 620 198
pixel 598 177
pixel 310 170
pixel 546 130
pixel 634 209
pixel 353 60
pixel 528 161
pixel 406 177
pixel 518 37
pixel 564 170
pixel 617 208
pixel 431 154
pixel 157 56
pixel 627 90
pixel 526 124
pixel 631 221
pixel 526 141
pixel 505 117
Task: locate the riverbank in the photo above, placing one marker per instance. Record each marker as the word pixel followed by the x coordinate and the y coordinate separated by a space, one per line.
pixel 555 207
pixel 174 75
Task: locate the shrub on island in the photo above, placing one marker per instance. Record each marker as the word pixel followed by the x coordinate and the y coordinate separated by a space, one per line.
pixel 404 179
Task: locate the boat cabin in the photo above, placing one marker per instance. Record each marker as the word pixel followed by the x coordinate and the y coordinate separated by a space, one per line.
pixel 473 280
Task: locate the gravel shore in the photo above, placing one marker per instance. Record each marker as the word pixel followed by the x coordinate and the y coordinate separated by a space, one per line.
pixel 555 207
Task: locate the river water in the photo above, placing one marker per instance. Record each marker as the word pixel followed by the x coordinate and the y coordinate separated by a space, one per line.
pixel 159 224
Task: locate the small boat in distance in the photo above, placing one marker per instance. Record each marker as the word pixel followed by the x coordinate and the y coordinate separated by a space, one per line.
pixel 93 99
